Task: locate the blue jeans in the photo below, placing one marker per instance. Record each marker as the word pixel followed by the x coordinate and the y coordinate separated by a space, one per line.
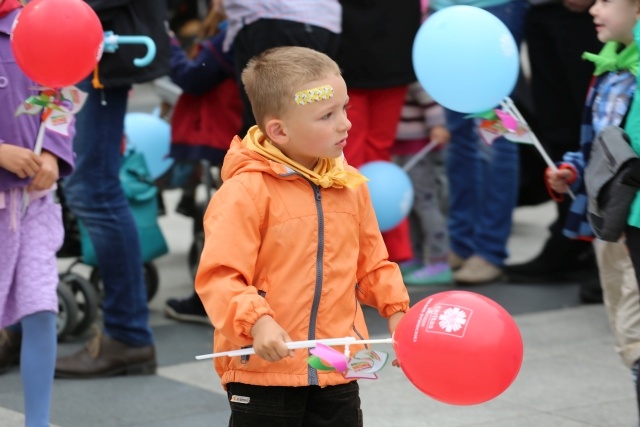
pixel 483 179
pixel 95 196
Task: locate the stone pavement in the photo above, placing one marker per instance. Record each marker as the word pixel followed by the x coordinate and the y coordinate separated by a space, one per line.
pixel 570 377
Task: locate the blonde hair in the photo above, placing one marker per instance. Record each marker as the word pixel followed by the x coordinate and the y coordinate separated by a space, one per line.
pixel 271 78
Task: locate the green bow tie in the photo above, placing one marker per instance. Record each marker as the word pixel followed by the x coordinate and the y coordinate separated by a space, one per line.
pixel 609 59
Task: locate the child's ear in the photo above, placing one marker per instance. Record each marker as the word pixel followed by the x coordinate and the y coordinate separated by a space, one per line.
pixel 276 131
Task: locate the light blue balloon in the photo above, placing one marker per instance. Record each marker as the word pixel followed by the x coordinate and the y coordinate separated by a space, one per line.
pixel 150 135
pixel 391 192
pixel 466 59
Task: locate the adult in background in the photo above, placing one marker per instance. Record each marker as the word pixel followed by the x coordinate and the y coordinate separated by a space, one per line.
pixel 258 25
pixel 375 58
pixel 483 179
pixel 95 196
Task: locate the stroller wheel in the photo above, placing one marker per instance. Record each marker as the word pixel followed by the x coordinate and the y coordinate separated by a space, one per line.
pixel 86 299
pixel 67 312
pixel 151 280
pixel 194 253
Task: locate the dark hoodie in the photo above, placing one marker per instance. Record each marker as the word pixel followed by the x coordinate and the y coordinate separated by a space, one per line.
pixel 133 18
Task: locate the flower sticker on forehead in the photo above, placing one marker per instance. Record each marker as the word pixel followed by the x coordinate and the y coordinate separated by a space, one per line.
pixel 312 95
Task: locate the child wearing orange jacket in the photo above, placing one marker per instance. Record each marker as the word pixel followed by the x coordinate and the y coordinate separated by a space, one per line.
pixel 293 247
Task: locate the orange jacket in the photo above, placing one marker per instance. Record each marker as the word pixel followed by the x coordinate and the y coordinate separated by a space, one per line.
pixel 278 245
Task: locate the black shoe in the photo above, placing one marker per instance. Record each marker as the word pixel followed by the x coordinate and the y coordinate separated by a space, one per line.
pixel 561 260
pixel 187 310
pixel 10 343
pixel 591 292
pixel 187 206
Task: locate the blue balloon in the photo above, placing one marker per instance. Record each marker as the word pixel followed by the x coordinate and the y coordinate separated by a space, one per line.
pixel 466 59
pixel 391 192
pixel 151 136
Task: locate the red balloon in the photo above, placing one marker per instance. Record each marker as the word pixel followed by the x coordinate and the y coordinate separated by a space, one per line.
pixel 57 43
pixel 459 347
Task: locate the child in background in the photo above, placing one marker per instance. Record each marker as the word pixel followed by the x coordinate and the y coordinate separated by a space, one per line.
pixel 293 247
pixel 206 117
pixel 423 121
pixel 30 239
pixel 608 101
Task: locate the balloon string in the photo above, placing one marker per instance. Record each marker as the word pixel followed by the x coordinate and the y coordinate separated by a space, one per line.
pixel 294 345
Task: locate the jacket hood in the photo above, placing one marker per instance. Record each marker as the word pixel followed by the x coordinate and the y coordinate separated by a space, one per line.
pixel 239 159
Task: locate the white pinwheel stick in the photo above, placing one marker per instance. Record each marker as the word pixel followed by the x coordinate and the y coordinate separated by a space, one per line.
pixel 37 149
pixel 509 106
pixel 419 155
pixel 294 345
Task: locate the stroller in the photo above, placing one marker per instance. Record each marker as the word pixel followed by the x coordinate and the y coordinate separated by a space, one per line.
pixel 79 298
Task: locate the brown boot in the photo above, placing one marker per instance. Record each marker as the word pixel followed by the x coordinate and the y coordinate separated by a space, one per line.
pixel 103 356
pixel 10 343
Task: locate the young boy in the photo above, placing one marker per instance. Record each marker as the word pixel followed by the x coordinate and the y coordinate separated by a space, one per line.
pixel 608 101
pixel 292 247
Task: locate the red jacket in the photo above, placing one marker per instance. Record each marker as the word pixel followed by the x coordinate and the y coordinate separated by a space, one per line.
pixel 203 126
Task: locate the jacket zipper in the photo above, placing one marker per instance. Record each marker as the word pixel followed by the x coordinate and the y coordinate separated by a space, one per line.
pixel 312 373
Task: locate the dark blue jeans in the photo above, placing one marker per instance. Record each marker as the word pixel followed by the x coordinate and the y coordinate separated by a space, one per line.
pixel 311 406
pixel 95 196
pixel 483 180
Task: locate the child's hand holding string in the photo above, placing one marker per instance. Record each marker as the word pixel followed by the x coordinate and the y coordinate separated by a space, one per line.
pixel 21 161
pixel 269 339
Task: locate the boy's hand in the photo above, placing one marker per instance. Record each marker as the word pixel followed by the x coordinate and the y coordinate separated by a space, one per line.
pixel 48 173
pixel 394 319
pixel 269 339
pixel 21 161
pixel 440 134
pixel 558 179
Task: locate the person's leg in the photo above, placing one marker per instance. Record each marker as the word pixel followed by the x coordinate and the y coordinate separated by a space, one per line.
pixel 632 239
pixel 37 362
pixel 433 224
pixel 462 167
pixel 334 406
pixel 499 168
pixel 95 196
pixel 621 298
pixel 385 106
pixel 374 115
pixel 497 185
pixel 264 34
